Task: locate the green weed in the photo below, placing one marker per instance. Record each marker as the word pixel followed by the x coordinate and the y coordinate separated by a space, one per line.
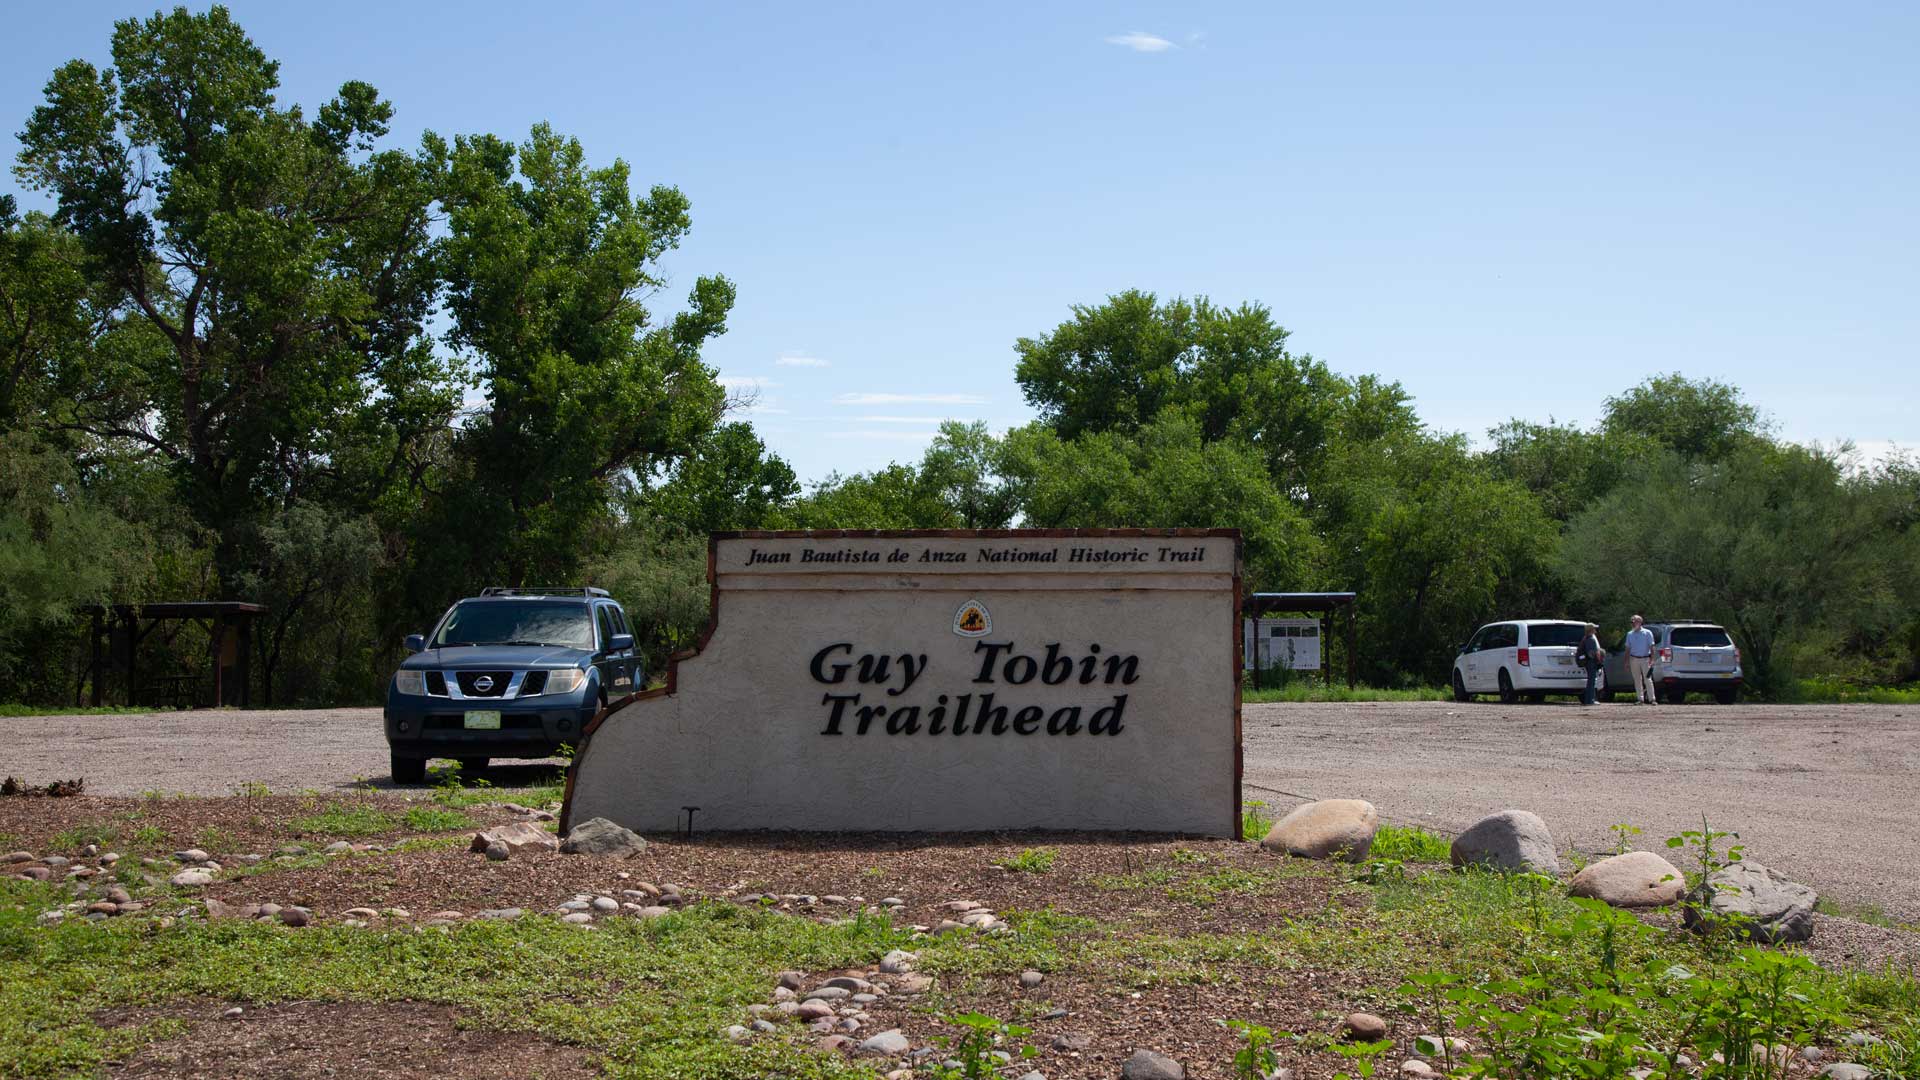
pixel 435 819
pixel 1410 843
pixel 1254 822
pixel 1031 861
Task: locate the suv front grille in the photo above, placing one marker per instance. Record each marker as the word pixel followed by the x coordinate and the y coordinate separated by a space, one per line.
pixel 534 683
pixel 484 683
pixel 436 684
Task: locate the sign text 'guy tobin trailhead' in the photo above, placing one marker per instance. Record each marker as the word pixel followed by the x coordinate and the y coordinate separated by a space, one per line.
pixel 961 714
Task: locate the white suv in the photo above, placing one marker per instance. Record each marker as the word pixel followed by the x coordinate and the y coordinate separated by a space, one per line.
pixel 1687 657
pixel 1524 657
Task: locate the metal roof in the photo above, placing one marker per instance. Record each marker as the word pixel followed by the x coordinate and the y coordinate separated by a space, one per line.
pixel 1300 601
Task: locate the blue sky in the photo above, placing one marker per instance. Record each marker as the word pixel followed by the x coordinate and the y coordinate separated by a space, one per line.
pixel 1513 213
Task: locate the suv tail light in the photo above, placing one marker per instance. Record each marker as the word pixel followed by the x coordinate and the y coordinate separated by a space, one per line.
pixel 1666 655
pixel 1736 656
pixel 1524 654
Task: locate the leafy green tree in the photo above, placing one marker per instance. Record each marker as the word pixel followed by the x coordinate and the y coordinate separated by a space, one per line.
pixel 1566 467
pixel 1119 366
pixel 59 547
pixel 282 266
pixel 548 262
pixel 1697 419
pixel 314 576
pixel 963 466
pixel 1433 545
pixel 1775 542
pixel 729 482
pixel 1166 476
pixel 896 497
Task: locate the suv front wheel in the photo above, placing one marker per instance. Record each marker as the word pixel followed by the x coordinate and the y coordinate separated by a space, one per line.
pixel 408 770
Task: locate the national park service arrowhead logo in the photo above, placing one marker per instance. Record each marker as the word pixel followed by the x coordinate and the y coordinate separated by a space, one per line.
pixel 972 620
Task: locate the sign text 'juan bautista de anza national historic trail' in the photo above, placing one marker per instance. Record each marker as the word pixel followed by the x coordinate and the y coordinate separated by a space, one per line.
pixel 944 682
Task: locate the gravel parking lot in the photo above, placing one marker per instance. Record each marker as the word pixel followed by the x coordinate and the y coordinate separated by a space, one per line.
pixel 1826 794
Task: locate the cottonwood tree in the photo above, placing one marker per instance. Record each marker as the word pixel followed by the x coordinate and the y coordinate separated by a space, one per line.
pixel 549 264
pixel 269 275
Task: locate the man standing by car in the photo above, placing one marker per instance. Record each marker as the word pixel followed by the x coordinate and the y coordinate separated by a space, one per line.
pixel 1640 661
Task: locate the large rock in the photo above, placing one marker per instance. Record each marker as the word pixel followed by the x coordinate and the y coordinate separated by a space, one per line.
pixel 1147 1065
pixel 1326 829
pixel 598 836
pixel 1513 840
pixel 1757 902
pixel 1637 879
pixel 517 837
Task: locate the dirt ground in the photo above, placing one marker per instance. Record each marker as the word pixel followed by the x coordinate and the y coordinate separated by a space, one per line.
pixel 822 876
pixel 1822 793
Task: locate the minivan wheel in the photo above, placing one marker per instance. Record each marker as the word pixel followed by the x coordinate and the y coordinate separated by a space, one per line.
pixel 1507 696
pixel 408 770
pixel 1460 689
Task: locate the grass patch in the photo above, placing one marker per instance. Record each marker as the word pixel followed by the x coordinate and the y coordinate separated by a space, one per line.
pixel 435 819
pixel 59 710
pixel 1847 692
pixel 1207 889
pixel 1030 861
pixel 344 819
pixel 1410 843
pixel 81 835
pixel 1304 691
pixel 651 996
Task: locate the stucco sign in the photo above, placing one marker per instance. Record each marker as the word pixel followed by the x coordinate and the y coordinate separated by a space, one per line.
pixel 942 681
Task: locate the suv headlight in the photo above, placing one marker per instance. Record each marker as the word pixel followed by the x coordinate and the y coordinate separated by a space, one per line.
pixel 565 682
pixel 410 682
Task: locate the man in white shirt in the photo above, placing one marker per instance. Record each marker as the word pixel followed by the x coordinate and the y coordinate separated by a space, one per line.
pixel 1640 661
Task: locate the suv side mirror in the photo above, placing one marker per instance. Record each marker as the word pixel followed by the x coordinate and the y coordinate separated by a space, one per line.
pixel 416 643
pixel 1463 648
pixel 620 643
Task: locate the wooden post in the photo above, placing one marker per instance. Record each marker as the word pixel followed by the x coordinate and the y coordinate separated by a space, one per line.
pixel 218 646
pixel 1353 662
pixel 96 667
pixel 245 660
pixel 133 654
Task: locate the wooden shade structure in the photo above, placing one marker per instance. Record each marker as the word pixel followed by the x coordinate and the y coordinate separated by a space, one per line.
pixel 119 629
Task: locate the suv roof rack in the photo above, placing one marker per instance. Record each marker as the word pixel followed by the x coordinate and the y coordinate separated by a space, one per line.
pixel 543 590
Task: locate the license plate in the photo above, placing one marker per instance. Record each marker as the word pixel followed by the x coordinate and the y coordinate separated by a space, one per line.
pixel 485 720
pixel 1705 658
pixel 1563 661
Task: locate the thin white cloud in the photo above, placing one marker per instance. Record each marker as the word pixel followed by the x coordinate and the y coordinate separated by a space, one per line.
pixel 1141 41
pixel 887 436
pixel 909 399
pixel 800 361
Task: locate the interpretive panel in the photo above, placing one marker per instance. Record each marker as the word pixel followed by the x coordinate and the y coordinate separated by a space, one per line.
pixel 942 681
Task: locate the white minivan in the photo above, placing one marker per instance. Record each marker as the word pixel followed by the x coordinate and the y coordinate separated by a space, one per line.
pixel 1528 658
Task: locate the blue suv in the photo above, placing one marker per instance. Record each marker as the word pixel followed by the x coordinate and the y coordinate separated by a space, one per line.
pixel 511 673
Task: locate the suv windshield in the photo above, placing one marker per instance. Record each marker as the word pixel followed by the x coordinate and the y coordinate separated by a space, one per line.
pixel 1700 637
pixel 511 622
pixel 1552 634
